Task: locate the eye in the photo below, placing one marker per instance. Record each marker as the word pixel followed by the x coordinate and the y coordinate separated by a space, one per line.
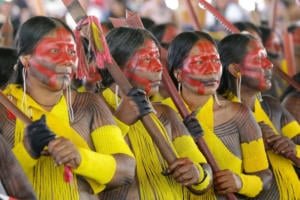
pixel 72 52
pixel 54 51
pixel 216 60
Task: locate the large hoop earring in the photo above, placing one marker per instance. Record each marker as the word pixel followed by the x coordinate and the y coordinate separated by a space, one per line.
pixel 217 99
pixel 179 87
pixel 238 85
pixel 24 104
pixel 69 103
pixel 117 95
pixel 259 97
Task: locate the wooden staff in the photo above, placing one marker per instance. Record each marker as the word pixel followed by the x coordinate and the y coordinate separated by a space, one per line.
pixel 193 15
pixel 7 33
pixel 288 47
pixel 167 152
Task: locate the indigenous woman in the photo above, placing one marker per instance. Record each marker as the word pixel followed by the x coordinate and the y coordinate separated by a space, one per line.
pixel 229 129
pixel 247 72
pixel 78 130
pixel 136 51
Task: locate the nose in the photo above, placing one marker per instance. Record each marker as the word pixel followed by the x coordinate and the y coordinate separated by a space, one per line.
pixel 211 67
pixel 156 65
pixel 267 64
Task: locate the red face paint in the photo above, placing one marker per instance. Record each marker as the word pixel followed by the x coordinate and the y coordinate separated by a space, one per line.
pixel 54 58
pixel 202 68
pixel 257 67
pixel 145 67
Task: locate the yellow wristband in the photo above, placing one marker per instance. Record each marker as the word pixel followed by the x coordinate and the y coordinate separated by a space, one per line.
pixel 252 185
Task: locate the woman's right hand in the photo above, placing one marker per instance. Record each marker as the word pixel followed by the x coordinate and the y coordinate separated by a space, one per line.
pixel 37 136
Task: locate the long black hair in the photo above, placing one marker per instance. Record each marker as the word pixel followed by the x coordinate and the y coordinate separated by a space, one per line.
pixel 232 49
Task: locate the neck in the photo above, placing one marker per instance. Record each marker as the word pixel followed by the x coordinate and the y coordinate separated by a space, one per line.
pixel 248 97
pixel 44 96
pixel 193 100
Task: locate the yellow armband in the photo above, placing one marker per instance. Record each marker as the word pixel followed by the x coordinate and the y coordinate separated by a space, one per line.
pixel 203 183
pixel 254 156
pixel 109 140
pixel 291 129
pixel 96 166
pixel 186 147
pixel 251 185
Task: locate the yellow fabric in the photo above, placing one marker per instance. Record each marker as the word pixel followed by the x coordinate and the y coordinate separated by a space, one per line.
pixel 250 181
pixel 48 185
pixel 220 151
pixel 103 144
pixel 27 162
pixel 291 129
pixel 285 175
pixel 253 150
pixel 180 143
pixel 99 167
pixel 81 89
pixel 124 127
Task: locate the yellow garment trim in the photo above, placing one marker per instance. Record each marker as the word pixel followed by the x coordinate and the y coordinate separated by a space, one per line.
pixel 285 175
pixel 81 89
pixel 24 158
pixel 291 129
pixel 251 185
pixel 253 150
pixel 108 139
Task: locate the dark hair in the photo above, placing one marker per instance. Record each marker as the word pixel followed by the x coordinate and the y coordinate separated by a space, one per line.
pixel 180 47
pixel 122 43
pixel 32 31
pixel 290 89
pixel 246 26
pixel 232 49
pixel 292 27
pixel 147 22
pixel 8 58
pixel 159 30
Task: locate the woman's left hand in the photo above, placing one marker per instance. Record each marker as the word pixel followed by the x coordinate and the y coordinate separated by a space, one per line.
pixel 64 152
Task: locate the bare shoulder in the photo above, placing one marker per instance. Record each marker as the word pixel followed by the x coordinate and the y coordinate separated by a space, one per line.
pixel 228 111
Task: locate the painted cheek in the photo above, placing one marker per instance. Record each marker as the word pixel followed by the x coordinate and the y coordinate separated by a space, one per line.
pixel 199 85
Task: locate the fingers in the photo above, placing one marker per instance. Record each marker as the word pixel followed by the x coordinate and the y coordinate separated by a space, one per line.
pixel 184 171
pixel 64 152
pixel 226 181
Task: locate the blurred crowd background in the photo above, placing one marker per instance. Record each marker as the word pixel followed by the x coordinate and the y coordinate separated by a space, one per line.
pixel 160 11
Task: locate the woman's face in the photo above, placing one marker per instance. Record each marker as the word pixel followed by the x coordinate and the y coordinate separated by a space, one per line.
pixel 54 59
pixel 256 69
pixel 144 69
pixel 202 69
